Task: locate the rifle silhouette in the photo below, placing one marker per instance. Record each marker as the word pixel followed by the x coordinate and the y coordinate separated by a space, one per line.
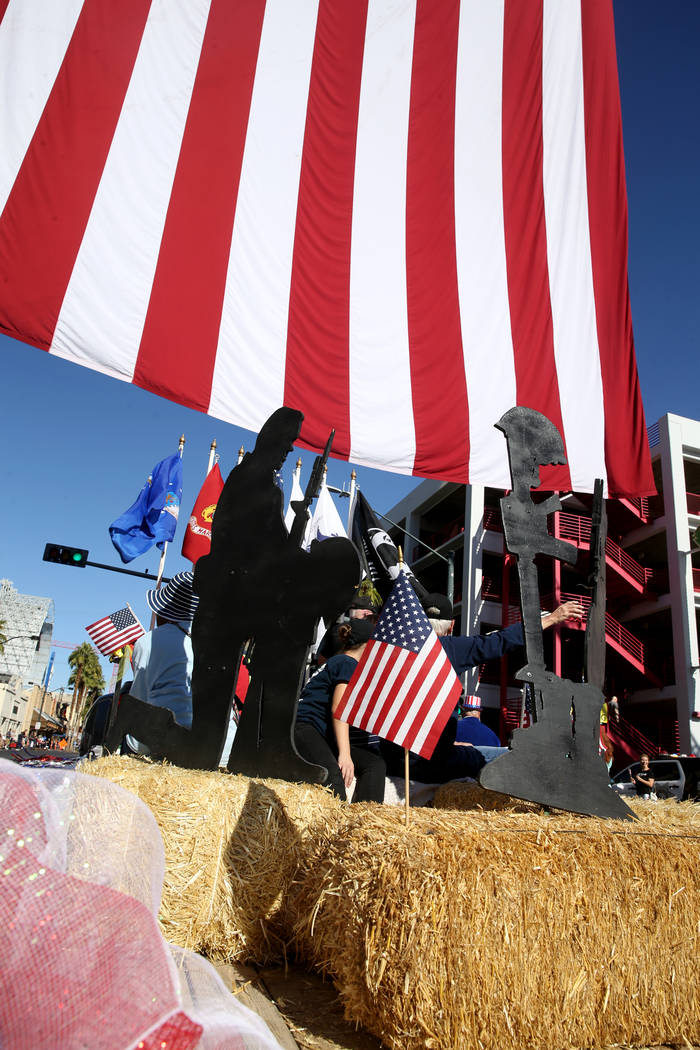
pixel 301 507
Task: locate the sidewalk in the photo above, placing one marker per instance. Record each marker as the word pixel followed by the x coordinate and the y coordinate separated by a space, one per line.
pixel 302 1011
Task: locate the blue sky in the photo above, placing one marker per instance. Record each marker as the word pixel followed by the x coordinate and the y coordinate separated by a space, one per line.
pixel 78 446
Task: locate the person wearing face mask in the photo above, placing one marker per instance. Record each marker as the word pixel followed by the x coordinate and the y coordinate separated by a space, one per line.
pixel 323 739
pixel 360 608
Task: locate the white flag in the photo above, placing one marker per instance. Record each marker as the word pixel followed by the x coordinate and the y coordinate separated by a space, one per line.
pixel 296 496
pixel 326 521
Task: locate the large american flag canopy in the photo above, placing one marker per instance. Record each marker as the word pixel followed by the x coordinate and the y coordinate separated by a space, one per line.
pixel 401 216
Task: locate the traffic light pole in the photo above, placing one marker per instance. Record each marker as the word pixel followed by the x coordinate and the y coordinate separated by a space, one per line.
pixel 77 557
pixel 127 572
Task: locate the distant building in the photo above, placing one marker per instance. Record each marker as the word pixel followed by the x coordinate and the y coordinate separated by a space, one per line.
pixel 13 706
pixel 653 589
pixel 28 628
pixel 42 711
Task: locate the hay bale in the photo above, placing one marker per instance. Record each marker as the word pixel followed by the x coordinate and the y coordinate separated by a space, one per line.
pixel 471 930
pixel 467 929
pixel 232 846
pixel 468 794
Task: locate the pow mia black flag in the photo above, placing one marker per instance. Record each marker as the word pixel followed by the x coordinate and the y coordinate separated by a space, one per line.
pixel 378 550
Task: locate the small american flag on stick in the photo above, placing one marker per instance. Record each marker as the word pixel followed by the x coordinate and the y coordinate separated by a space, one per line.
pixel 404 688
pixel 113 632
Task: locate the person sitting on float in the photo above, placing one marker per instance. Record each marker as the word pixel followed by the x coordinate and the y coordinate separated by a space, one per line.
pixel 451 761
pixel 323 739
pixel 163 657
pixel 360 608
pixel 471 732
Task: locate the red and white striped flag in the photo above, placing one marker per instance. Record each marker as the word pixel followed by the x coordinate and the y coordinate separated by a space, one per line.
pixel 115 631
pixel 404 688
pixel 402 217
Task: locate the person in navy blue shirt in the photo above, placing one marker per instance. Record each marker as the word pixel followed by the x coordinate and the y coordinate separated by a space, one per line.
pixel 470 729
pixel 471 733
pixel 323 739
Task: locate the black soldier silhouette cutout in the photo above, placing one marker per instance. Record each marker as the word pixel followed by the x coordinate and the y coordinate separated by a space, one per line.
pixel 255 584
pixel 556 761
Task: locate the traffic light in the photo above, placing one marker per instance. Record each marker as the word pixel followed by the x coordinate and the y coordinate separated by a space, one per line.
pixel 66 555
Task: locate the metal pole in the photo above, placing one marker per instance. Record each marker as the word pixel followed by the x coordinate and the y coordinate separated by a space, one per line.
pixel 212 455
pixel 557 600
pixel 126 572
pixel 451 576
pixel 47 675
pixel 161 564
pixel 410 534
pixel 353 486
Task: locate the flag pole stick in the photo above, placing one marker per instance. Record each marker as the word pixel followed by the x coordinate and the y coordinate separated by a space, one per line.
pixel 297 469
pixel 120 675
pixel 405 750
pixel 161 564
pixel 117 690
pixel 241 454
pixel 353 485
pixel 212 456
pixel 405 774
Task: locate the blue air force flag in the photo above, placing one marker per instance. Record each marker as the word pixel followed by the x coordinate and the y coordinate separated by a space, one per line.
pixel 152 518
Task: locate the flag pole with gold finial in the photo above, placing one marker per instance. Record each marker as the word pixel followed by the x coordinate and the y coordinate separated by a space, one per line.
pixel 212 456
pixel 161 564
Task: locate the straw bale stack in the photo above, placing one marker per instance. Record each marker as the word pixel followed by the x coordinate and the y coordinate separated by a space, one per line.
pixel 468 794
pixel 470 928
pixel 232 846
pixel 506 930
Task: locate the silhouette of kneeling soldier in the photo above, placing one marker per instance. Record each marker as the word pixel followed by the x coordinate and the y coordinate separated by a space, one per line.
pixel 255 585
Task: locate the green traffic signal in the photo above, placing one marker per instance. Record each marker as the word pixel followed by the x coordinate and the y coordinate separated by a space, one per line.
pixel 65 555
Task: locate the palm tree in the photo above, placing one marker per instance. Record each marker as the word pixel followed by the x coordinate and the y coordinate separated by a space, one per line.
pixel 86 675
pixel 94 687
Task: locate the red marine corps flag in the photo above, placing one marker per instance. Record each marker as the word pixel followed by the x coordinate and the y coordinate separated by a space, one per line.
pixel 404 688
pixel 197 539
pixel 239 205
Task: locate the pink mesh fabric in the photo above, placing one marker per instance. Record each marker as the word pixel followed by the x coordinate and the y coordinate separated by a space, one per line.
pixel 83 962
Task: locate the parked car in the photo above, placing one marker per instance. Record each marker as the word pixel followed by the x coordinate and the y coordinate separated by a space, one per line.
pixel 675 776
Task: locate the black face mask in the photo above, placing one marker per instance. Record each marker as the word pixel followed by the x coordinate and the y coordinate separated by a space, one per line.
pixel 362 630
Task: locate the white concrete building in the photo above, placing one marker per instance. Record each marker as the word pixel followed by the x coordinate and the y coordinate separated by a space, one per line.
pixel 28 628
pixel 13 706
